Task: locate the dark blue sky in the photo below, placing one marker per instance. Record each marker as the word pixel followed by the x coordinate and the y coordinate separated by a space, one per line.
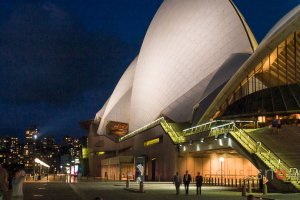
pixel 60 59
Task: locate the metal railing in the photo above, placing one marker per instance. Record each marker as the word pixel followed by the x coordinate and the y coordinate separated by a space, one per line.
pixel 210 125
pixel 254 147
pixel 142 129
pixel 175 136
pixel 199 128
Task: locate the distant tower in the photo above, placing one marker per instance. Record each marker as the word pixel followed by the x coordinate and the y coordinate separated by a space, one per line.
pixel 31 134
pixel 29 151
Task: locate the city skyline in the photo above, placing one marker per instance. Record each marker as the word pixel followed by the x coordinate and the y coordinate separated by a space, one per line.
pixel 45 91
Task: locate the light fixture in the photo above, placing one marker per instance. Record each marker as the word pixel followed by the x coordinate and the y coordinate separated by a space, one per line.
pixel 221 159
pixel 202 140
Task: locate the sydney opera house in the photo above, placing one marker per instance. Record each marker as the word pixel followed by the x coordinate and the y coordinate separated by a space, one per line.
pixel 203 96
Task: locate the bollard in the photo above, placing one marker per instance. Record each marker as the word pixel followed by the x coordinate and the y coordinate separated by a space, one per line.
pixel 244 190
pixel 265 189
pixel 127 183
pixel 250 188
pixel 141 186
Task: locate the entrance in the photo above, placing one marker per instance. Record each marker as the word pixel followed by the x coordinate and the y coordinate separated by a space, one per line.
pixel 153 168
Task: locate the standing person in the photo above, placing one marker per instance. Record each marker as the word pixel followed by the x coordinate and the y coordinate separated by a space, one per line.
pixel 177 182
pixel 17 184
pixel 199 180
pixel 186 181
pixel 3 183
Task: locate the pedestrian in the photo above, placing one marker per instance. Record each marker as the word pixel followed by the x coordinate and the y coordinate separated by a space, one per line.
pixel 186 181
pixel 17 184
pixel 176 182
pixel 3 183
pixel 278 125
pixel 199 180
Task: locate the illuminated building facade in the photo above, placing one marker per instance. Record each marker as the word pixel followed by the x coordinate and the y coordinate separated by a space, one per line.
pixel 200 96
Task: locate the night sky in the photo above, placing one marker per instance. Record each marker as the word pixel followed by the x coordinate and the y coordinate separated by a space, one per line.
pixel 61 59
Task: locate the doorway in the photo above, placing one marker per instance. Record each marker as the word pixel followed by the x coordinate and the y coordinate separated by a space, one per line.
pixel 153 168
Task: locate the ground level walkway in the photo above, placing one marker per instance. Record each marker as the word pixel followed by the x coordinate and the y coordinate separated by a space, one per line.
pixel 89 190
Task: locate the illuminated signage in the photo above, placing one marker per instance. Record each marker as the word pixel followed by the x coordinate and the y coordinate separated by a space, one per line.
pixel 100 153
pixel 151 142
pixel 84 152
pixel 117 128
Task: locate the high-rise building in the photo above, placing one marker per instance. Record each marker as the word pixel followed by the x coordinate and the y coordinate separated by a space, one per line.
pixel 30 150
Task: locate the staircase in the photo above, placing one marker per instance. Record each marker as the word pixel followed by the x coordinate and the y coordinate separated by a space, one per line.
pixel 284 175
pixel 174 134
pixel 282 171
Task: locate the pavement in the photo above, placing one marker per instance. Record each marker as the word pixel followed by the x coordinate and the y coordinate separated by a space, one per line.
pixel 90 190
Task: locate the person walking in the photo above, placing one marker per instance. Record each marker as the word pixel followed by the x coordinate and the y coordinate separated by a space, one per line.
pixel 3 183
pixel 176 182
pixel 186 181
pixel 278 125
pixel 199 180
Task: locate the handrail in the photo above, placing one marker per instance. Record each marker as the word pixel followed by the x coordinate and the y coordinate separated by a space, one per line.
pixel 176 138
pixel 209 125
pixel 265 154
pixel 135 132
pixel 198 128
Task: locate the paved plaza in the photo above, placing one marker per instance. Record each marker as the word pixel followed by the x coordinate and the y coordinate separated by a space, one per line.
pixel 89 190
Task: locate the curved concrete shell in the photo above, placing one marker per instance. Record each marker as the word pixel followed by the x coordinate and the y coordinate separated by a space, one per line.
pixel 285 27
pixel 118 105
pixel 185 45
pixel 100 113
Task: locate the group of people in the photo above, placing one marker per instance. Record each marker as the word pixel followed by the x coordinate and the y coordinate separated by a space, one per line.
pixel 16 183
pixel 276 123
pixel 187 178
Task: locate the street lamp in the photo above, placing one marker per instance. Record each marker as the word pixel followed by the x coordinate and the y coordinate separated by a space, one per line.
pixel 221 159
pixel 34 140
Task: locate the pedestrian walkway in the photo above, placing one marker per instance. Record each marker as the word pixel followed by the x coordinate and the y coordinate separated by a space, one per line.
pixel 89 190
